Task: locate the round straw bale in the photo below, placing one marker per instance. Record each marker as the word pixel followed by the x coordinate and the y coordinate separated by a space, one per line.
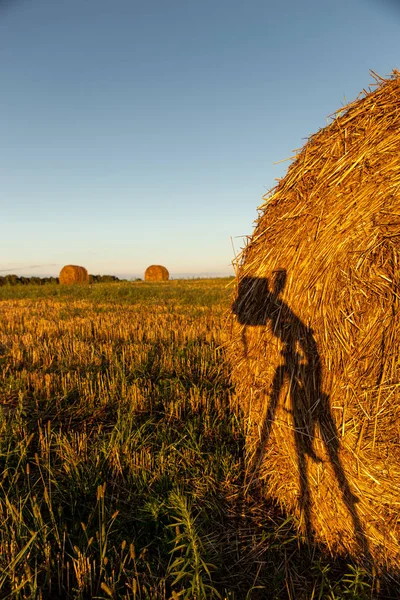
pixel 316 333
pixel 156 273
pixel 71 274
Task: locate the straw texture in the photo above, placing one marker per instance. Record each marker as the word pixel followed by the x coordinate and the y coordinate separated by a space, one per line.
pixel 315 350
pixel 156 273
pixel 71 274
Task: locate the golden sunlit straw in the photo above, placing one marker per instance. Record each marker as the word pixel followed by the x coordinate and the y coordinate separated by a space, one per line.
pixel 71 274
pixel 156 273
pixel 315 352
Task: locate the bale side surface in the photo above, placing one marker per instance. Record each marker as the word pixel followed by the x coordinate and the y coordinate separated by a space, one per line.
pixel 71 274
pixel 156 273
pixel 316 333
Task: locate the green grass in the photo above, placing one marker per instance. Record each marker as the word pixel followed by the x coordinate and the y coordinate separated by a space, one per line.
pixel 121 456
pixel 192 292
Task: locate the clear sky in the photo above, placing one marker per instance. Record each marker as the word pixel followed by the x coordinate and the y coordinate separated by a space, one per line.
pixel 140 132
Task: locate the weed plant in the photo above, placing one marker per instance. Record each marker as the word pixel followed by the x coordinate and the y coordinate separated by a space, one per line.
pixel 121 456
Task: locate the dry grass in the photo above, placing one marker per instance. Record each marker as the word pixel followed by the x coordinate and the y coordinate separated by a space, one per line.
pixel 96 402
pixel 71 274
pixel 121 455
pixel 156 273
pixel 315 352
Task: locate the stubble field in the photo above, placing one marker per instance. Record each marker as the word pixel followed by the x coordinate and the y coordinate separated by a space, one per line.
pixel 122 455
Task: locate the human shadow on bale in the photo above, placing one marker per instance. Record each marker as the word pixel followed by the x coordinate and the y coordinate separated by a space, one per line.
pixel 258 305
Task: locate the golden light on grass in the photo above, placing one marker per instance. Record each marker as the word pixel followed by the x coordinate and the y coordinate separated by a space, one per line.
pixel 71 274
pixel 315 351
pixel 118 404
pixel 156 273
pixel 82 364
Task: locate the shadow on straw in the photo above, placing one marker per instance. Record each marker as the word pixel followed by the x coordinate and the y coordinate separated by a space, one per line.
pixel 258 305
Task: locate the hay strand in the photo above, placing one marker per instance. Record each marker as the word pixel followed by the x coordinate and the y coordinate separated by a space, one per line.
pixel 156 273
pixel 73 274
pixel 315 350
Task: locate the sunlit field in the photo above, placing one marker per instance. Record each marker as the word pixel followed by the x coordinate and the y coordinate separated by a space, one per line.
pixel 122 455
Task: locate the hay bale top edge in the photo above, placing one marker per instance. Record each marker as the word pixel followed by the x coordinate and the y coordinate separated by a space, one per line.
pixel 374 102
pixel 344 182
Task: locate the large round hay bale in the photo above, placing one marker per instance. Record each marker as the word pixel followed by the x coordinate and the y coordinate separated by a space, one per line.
pixel 316 347
pixel 71 274
pixel 156 273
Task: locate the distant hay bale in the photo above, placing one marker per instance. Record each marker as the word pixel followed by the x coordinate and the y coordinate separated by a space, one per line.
pixel 316 337
pixel 71 274
pixel 156 273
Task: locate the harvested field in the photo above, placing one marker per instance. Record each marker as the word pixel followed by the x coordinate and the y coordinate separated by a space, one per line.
pixel 122 455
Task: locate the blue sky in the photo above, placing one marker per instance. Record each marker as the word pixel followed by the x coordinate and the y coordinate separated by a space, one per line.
pixel 134 133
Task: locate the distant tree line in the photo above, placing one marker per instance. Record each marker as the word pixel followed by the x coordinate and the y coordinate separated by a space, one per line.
pixel 103 278
pixel 20 280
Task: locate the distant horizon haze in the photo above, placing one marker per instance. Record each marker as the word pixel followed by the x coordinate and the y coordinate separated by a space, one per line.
pixel 21 272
